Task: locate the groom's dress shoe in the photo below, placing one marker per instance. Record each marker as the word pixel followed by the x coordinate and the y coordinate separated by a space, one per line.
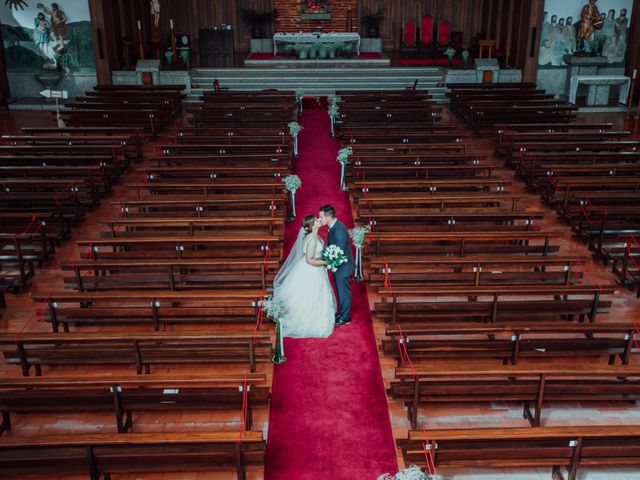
pixel 343 322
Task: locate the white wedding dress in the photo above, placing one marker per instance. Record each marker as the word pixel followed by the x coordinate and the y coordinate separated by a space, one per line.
pixel 307 292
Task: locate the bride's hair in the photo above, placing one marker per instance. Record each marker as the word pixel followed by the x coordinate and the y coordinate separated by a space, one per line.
pixel 307 223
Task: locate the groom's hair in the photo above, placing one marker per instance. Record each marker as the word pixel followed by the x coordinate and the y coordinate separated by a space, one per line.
pixel 328 210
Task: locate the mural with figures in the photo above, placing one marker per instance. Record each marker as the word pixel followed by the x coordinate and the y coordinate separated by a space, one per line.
pixel 584 27
pixel 49 36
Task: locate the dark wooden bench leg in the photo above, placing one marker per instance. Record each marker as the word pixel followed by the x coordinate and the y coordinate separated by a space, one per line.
pixel 5 426
pixel 556 474
pixel 93 468
pixel 239 463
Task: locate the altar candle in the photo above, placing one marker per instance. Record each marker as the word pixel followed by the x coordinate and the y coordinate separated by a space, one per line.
pixel 171 23
pixel 635 73
pixel 139 25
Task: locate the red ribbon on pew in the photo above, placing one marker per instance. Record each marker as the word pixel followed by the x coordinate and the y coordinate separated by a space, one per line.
pixel 33 219
pixel 259 316
pixel 404 352
pixel 633 337
pixel 631 237
pixel 387 277
pixel 38 316
pixel 428 453
pixel 585 275
pixel 245 408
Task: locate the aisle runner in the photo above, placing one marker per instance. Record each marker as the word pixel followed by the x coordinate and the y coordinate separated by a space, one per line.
pixel 329 417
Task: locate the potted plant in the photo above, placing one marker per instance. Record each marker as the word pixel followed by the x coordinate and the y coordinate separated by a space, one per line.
pixel 450 53
pixel 257 20
pixel 302 50
pixel 313 50
pixel 347 49
pixel 331 49
pixel 372 23
pixel 290 49
pixel 322 50
pixel 465 59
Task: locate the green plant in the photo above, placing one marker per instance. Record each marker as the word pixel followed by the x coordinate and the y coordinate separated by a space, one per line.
pixel 372 22
pixel 289 49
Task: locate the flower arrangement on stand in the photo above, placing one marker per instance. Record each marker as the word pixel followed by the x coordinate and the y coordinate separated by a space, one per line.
pixel 465 59
pixel 276 309
pixel 411 473
pixel 343 159
pixel 358 237
pixel 334 112
pixel 450 53
pixel 299 97
pixel 334 256
pixel 294 130
pixel 291 184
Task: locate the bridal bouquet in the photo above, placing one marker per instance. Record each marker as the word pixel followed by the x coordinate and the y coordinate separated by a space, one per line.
pixel 334 256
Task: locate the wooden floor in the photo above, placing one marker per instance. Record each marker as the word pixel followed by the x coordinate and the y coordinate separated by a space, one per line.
pixel 20 308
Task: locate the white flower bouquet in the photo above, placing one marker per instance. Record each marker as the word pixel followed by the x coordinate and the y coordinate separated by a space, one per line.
pixel 291 184
pixel 411 473
pixel 358 237
pixel 334 256
pixel 275 308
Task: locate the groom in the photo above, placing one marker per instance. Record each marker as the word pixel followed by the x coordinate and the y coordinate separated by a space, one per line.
pixel 339 236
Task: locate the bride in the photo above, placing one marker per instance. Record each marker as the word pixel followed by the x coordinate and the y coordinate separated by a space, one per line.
pixel 303 285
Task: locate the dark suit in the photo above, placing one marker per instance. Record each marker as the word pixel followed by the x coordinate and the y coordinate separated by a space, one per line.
pixel 339 236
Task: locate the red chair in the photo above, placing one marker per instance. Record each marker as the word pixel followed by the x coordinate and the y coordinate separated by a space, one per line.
pixel 426 34
pixel 408 43
pixel 444 34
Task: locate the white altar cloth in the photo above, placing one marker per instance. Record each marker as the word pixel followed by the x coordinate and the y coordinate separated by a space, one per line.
pixel 310 37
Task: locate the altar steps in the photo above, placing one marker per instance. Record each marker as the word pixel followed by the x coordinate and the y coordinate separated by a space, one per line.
pixel 319 81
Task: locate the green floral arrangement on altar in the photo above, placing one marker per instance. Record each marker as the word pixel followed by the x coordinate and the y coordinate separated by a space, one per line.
pixel 294 129
pixel 343 159
pixel 411 473
pixel 277 310
pixel 291 184
pixel 358 237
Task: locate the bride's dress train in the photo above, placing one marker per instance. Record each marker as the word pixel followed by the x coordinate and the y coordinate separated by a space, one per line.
pixel 307 292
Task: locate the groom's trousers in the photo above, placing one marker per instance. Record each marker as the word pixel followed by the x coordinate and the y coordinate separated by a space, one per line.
pixel 343 285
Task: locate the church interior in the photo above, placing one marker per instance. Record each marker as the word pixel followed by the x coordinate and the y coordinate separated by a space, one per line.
pixel 309 239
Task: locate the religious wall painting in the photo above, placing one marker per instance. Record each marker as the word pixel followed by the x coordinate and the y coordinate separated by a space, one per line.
pixel 47 36
pixel 584 27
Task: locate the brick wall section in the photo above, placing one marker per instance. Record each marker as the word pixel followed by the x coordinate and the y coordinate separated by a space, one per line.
pixel 288 17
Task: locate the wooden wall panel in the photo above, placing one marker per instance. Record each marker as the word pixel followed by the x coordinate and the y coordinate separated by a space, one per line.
pixel 464 16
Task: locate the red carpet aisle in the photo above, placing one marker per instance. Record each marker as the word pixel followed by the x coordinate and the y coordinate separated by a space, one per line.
pixel 329 416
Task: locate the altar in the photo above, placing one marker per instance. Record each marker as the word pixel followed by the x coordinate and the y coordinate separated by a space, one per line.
pixel 311 37
pixel 599 87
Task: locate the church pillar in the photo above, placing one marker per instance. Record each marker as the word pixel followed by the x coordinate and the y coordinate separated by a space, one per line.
pixel 4 82
pixel 104 42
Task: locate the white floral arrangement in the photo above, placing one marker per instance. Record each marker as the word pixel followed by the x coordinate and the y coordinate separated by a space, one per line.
pixel 292 183
pixel 334 257
pixel 275 308
pixel 299 95
pixel 333 111
pixel 334 99
pixel 359 234
pixel 294 128
pixel 411 473
pixel 343 154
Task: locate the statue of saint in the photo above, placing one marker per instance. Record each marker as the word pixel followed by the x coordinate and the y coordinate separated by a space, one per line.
pixel 590 21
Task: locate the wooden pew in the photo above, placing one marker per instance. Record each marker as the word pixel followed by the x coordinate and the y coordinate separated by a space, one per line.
pixel 431 303
pixel 550 447
pixel 532 386
pixel 155 308
pixel 509 343
pixel 125 394
pixel 106 454
pixel 135 348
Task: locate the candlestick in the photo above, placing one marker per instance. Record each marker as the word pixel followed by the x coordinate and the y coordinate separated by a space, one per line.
pixel 171 23
pixel 635 73
pixel 139 25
